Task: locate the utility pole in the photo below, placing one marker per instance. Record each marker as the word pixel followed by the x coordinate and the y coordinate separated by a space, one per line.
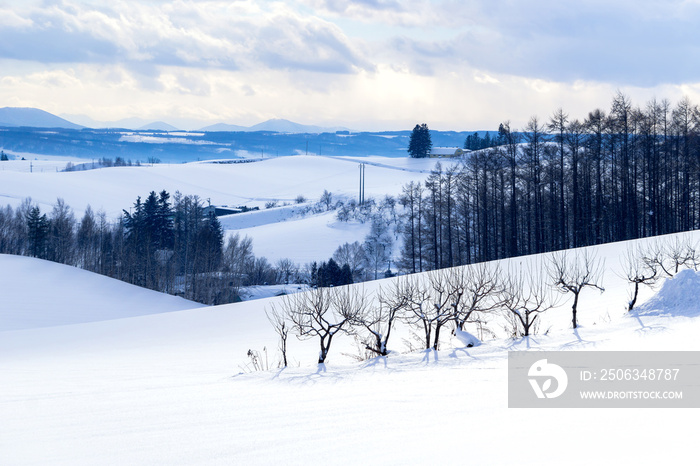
pixel 362 183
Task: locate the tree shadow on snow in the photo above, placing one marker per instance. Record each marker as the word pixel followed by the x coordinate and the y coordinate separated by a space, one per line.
pixel 426 356
pixel 578 342
pixel 647 329
pixel 523 343
pixel 375 362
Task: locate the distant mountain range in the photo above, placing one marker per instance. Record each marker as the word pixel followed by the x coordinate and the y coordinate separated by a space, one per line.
pixel 278 125
pixel 33 117
pixel 36 118
pixel 157 126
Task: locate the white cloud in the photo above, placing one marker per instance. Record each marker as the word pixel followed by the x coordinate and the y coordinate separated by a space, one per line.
pixel 453 64
pixel 180 33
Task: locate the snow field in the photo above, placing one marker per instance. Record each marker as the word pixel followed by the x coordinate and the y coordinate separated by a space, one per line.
pixel 253 184
pixel 89 377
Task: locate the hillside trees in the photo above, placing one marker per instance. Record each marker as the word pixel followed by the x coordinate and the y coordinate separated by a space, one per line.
pixel 353 255
pixel 37 232
pixel 174 247
pixel 627 173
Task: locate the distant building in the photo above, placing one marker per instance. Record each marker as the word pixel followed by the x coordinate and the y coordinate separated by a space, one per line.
pixel 447 152
pixel 220 211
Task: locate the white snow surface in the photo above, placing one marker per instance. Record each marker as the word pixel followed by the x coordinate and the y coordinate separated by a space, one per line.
pixel 173 388
pixel 312 238
pixel 37 293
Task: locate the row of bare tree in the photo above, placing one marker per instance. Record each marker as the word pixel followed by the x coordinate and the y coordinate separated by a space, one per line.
pixel 519 291
pixel 429 303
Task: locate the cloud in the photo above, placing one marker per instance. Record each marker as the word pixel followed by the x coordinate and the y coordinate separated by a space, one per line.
pixel 289 42
pixel 213 35
pixel 641 43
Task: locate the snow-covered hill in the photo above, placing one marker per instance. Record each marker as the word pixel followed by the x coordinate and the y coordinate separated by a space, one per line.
pixel 36 293
pixel 94 371
pixel 172 388
pixel 253 184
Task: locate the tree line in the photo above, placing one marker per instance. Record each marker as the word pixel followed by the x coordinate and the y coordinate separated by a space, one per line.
pixel 627 173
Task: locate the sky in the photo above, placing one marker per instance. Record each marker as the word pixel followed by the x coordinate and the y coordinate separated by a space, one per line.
pixel 367 65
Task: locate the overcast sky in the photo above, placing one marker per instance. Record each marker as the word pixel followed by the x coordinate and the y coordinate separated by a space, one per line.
pixel 367 65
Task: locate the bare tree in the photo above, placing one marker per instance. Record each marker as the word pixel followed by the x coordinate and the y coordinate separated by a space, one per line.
pixel 639 270
pixel 526 295
pixel 326 199
pixel 379 320
pixel 278 319
pixel 323 313
pixel 671 254
pixel 682 252
pixel 474 289
pixel 429 305
pixel 286 270
pixel 572 275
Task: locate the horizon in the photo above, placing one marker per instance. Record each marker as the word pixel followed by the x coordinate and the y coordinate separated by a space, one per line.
pixel 132 123
pixel 368 66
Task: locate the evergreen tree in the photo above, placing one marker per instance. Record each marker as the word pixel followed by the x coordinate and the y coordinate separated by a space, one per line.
pixel 420 144
pixel 345 275
pixel 37 232
pixel 329 273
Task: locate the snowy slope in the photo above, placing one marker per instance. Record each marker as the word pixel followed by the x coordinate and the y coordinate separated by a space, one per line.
pixel 276 233
pixel 171 388
pixel 312 238
pixel 36 293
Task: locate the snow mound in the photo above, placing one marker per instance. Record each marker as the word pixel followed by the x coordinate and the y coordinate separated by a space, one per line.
pixel 677 297
pixel 466 338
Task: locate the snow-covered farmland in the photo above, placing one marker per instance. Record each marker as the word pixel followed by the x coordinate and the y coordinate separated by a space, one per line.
pixel 282 179
pixel 276 179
